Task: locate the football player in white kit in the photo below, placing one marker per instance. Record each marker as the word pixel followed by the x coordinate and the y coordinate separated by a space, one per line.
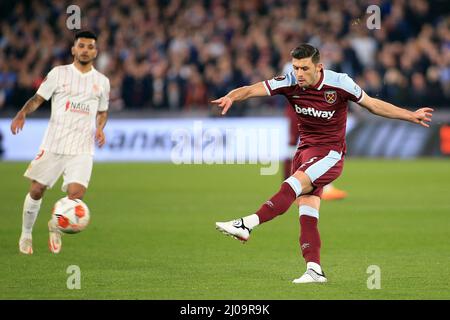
pixel 80 97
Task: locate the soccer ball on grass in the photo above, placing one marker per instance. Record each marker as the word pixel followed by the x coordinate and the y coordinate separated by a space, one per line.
pixel 70 216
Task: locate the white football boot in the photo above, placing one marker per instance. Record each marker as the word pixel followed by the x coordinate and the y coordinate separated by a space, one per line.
pixel 313 274
pixel 54 240
pixel 26 245
pixel 235 229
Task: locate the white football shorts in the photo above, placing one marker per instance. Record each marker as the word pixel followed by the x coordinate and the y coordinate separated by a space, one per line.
pixel 47 167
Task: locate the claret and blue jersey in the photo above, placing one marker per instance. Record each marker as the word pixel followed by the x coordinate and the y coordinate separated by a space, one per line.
pixel 322 109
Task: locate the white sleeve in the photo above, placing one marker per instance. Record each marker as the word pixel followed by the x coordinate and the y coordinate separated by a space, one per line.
pixel 48 86
pixel 355 93
pixel 104 97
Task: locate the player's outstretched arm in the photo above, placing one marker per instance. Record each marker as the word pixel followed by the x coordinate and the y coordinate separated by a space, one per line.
pixel 239 94
pixel 31 105
pixel 379 107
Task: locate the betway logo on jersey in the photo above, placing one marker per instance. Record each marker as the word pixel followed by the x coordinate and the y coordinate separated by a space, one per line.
pixel 77 107
pixel 314 113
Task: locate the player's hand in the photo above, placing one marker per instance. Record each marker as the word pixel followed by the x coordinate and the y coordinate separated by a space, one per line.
pixel 224 103
pixel 18 122
pixel 423 116
pixel 100 137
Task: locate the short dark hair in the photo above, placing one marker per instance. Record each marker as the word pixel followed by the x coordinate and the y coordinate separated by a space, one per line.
pixel 85 34
pixel 306 50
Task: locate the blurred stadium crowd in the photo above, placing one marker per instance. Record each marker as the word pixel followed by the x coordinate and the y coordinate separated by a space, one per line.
pixel 177 55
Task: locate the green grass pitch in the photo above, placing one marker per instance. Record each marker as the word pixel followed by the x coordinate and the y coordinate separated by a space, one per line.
pixel 152 235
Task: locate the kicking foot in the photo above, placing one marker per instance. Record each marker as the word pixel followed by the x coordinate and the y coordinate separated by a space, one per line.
pixel 26 245
pixel 235 229
pixel 313 274
pixel 333 193
pixel 54 240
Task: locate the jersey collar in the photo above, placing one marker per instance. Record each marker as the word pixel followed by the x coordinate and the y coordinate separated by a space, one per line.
pixel 319 84
pixel 81 73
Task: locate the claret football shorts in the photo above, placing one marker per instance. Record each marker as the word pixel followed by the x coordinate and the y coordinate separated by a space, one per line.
pixel 47 167
pixel 322 165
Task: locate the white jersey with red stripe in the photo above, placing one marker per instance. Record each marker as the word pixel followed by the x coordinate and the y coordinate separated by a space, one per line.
pixel 76 99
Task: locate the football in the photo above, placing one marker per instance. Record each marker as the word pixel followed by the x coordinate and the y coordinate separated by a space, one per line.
pixel 71 216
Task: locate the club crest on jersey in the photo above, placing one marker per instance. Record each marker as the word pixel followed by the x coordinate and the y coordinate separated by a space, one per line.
pixel 330 96
pixel 95 88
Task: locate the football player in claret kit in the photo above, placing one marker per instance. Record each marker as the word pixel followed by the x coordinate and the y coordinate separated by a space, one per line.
pixel 79 103
pixel 330 192
pixel 319 97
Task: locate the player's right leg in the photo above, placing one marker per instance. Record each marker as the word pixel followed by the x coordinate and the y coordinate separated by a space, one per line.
pixel 30 212
pixel 290 190
pixel 43 172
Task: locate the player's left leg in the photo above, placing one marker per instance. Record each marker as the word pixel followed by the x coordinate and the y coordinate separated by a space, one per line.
pixel 76 191
pixel 310 243
pixel 77 174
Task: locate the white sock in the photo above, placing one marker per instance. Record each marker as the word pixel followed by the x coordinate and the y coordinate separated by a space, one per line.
pixel 295 185
pixel 251 221
pixel 30 212
pixel 316 267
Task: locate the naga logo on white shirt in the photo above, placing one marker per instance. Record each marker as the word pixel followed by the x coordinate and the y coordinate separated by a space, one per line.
pixel 314 112
pixel 78 107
